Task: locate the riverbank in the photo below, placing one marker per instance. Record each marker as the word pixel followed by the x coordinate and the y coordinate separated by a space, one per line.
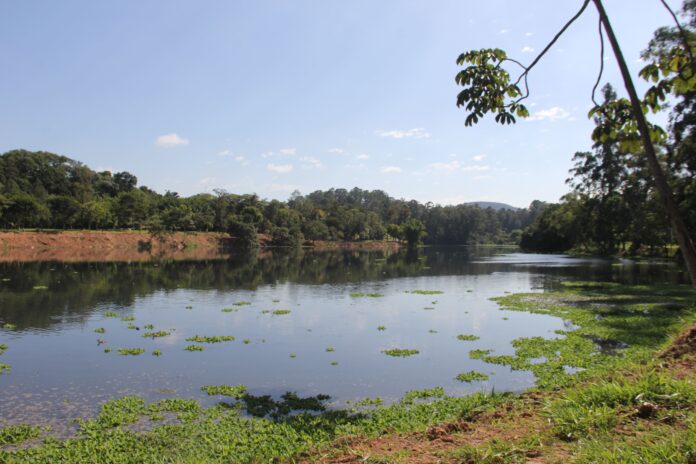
pixel 617 385
pixel 103 246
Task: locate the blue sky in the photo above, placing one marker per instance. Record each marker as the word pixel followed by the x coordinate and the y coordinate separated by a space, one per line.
pixel 273 96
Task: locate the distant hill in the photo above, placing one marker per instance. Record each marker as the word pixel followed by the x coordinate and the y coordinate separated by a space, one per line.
pixel 492 204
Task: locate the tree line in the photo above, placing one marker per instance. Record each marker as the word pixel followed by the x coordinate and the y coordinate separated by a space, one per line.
pixel 46 190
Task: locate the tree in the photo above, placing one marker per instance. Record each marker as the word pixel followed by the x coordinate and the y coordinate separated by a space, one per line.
pixel 413 232
pixel 488 88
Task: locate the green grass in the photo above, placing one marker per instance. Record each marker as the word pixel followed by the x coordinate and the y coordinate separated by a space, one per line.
pixel 100 330
pixel 241 303
pixel 8 326
pixel 369 295
pixel 471 376
pixel 381 328
pixel 130 351
pixel 234 391
pixel 110 314
pixel 281 312
pixel 128 318
pixel 330 349
pixel 424 292
pixel 158 334
pixel 156 353
pixel 229 310
pixel 400 353
pixel 211 339
pixel 16 434
pixel 194 348
pixel 467 338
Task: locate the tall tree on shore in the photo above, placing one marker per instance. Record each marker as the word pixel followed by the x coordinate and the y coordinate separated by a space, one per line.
pixel 488 88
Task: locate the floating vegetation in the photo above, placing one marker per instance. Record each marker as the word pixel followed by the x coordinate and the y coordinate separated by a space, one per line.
pixel 370 295
pixel 40 287
pixel 234 391
pixel 9 326
pixel 110 314
pixel 128 318
pixel 4 368
pixel 428 308
pixel 381 328
pixel 15 434
pixel 293 355
pixel 432 331
pixel 149 326
pixel 479 354
pixel 471 376
pixel 281 312
pixel 195 348
pixel 467 338
pixel 214 339
pixel 246 341
pixel 242 303
pixel 156 353
pixel 424 292
pixel 133 326
pixel 433 302
pixel 334 363
pixel 400 353
pixel 3 348
pixel 330 349
pixel 229 310
pixel 107 350
pixel 276 301
pixel 189 307
pixel 100 330
pixel 130 351
pixel 265 311
pixel 505 318
pixel 160 333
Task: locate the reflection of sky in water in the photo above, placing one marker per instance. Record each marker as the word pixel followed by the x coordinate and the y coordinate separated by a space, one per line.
pixel 59 371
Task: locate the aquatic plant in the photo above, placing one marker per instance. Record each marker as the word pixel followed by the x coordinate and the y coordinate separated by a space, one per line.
pixel 16 434
pixel 428 308
pixel 281 312
pixel 246 341
pixel 149 326
pixel 107 350
pixel 400 353
pixel 242 303
pixel 9 326
pixel 128 318
pixel 381 328
pixel 229 310
pixel 479 354
pixel 132 326
pixel 130 351
pixel 100 330
pixel 370 295
pixel 330 349
pixel 160 333
pixel 4 368
pixel 3 348
pixel 189 307
pixel 293 355
pixel 334 363
pixel 234 391
pixel 156 353
pixel 40 287
pixel 471 376
pixel 467 338
pixel 265 311
pixel 110 314
pixel 276 301
pixel 424 292
pixel 213 339
pixel 432 331
pixel 194 348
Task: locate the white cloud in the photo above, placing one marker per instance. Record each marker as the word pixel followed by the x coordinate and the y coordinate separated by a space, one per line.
pixel 416 133
pixel 555 113
pixel 478 157
pixel 239 158
pixel 529 34
pixel 311 162
pixel 288 151
pixel 391 169
pixel 170 140
pixel 362 156
pixel 337 151
pixel 527 49
pixel 279 168
pixel 503 31
pixel 224 153
pixel 456 165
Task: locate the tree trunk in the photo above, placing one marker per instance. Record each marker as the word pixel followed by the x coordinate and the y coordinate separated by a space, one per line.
pixel 665 192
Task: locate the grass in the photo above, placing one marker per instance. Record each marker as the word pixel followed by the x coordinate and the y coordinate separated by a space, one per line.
pixel 100 330
pixel 229 310
pixel 330 349
pixel 130 351
pixel 242 303
pixel 8 326
pixel 281 312
pixel 234 391
pixel 381 328
pixel 471 376
pixel 213 339
pixel 158 334
pixel 467 338
pixel 156 353
pixel 400 353
pixel 128 318
pixel 424 292
pixel 16 434
pixel 369 295
pixel 110 314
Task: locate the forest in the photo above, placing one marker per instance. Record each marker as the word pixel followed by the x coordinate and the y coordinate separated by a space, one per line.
pixel 46 190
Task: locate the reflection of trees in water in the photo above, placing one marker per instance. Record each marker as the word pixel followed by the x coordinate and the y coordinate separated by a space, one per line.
pixel 75 289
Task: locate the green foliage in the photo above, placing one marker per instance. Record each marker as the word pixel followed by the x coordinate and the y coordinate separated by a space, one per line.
pixel 425 292
pixel 194 348
pixel 100 330
pixel 370 295
pixel 130 351
pixel 400 353
pixel 16 434
pixel 280 312
pixel 159 333
pixel 213 339
pixel 467 338
pixel 236 391
pixel 471 376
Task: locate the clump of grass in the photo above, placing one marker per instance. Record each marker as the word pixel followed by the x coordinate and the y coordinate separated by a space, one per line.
pixel 330 349
pixel 432 331
pixel 156 353
pixel 276 301
pixel 293 355
pixel 4 368
pixel 471 376
pixel 110 314
pixel 505 318
pixel 107 350
pixel 9 326
pixel 195 348
pixel 334 363
pixel 229 310
pixel 160 333
pixel 189 307
pixel 3 348
pixel 242 303
pixel 128 318
pixel 100 330
pixel 265 311
pixel 370 295
pixel 213 339
pixel 15 434
pixel 40 287
pixel 234 391
pixel 479 354
pixel 381 328
pixel 246 341
pixel 424 292
pixel 281 312
pixel 132 326
pixel 467 338
pixel 400 353
pixel 149 326
pixel 428 308
pixel 131 351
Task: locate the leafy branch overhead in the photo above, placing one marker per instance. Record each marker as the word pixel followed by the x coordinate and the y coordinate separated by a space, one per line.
pixel 488 87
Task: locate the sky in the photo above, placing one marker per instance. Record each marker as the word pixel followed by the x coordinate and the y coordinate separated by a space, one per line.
pixel 273 96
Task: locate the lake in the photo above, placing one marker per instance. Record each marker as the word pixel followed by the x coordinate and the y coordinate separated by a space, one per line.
pixel 302 322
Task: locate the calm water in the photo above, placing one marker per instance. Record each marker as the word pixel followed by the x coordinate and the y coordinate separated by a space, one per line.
pixel 59 370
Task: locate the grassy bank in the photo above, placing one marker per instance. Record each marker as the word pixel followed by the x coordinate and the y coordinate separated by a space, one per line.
pixel 609 390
